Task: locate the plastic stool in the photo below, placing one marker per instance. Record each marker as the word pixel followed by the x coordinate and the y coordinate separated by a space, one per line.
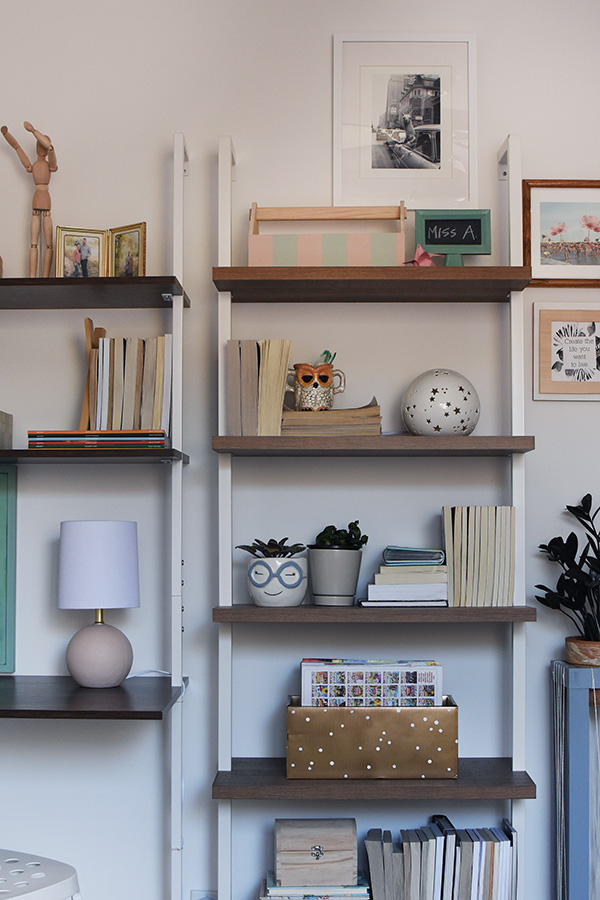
pixel 22 875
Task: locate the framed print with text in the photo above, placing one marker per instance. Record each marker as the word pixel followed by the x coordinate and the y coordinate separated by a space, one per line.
pixel 566 351
pixel 561 232
pixel 404 120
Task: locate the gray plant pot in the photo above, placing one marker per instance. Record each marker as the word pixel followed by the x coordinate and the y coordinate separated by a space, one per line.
pixel 333 574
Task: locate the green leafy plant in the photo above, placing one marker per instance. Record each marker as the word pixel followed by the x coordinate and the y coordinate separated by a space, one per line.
pixel 349 538
pixel 272 548
pixel 577 591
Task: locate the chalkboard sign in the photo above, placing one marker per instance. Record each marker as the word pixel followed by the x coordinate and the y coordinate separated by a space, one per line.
pixel 453 232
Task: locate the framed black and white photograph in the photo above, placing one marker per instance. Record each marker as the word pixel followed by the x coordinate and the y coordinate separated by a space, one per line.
pixel 561 232
pixel 404 120
pixel 566 351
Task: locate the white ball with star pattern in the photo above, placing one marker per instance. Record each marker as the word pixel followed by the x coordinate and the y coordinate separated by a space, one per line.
pixel 440 401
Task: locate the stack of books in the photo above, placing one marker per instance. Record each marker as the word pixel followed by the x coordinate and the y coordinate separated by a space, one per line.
pixel 480 553
pixel 256 383
pixel 359 891
pixel 409 577
pixel 441 862
pixel 96 440
pixel 357 420
pixel 128 384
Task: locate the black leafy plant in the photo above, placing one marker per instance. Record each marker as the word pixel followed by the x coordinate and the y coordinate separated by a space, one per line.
pixel 577 591
pixel 349 538
pixel 273 548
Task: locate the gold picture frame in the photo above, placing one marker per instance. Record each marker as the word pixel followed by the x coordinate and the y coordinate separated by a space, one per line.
pixel 127 250
pixel 80 252
pixel 566 351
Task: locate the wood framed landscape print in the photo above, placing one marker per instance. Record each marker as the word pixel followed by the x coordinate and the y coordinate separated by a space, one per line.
pixel 80 252
pixel 404 120
pixel 127 250
pixel 566 351
pixel 8 507
pixel 561 232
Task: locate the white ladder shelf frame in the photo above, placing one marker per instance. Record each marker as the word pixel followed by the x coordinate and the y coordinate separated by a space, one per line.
pixel 175 719
pixel 509 161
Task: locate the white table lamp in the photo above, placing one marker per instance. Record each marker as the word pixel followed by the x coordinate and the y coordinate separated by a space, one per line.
pixel 98 569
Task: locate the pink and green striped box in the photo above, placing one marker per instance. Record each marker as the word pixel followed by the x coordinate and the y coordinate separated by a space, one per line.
pixel 370 248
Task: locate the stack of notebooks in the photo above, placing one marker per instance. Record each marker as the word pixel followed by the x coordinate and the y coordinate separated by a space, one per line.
pixel 359 891
pixel 358 420
pixel 409 577
pixel 441 862
pixel 256 382
pixel 480 554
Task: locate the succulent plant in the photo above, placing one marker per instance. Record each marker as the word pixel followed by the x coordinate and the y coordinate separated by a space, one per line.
pixel 577 591
pixel 272 548
pixel 347 538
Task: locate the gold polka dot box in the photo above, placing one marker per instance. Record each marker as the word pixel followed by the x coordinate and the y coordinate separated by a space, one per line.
pixel 373 742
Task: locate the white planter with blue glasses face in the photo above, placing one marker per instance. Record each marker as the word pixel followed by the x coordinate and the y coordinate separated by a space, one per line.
pixel 278 581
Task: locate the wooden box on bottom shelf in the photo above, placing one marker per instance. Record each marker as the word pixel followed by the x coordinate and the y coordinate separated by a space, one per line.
pixel 373 742
pixel 315 852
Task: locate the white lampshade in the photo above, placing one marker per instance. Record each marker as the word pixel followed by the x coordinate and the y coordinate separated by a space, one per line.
pixel 98 565
pixel 98 569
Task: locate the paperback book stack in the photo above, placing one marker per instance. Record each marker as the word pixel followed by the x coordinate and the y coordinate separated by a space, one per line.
pixel 256 382
pixel 358 420
pixel 441 862
pixel 128 383
pixel 409 577
pixel 359 891
pixel 480 553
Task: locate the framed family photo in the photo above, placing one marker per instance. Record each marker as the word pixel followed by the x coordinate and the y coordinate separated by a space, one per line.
pixel 127 250
pixel 404 120
pixel 566 351
pixel 561 232
pixel 80 252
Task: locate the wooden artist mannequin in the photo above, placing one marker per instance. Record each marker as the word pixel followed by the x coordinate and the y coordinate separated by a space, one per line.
pixel 41 169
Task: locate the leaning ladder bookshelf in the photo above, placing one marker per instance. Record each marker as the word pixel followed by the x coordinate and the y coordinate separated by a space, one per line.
pixel 261 779
pixel 139 698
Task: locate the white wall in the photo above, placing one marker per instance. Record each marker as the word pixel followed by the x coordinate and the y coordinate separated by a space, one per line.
pixel 111 83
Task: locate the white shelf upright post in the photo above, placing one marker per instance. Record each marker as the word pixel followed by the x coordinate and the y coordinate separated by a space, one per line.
pixel 226 176
pixel 180 159
pixel 509 161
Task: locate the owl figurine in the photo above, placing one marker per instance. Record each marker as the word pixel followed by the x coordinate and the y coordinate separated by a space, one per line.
pixel 314 386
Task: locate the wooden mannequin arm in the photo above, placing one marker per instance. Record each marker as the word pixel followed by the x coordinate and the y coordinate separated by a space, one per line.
pixel 42 138
pixel 16 146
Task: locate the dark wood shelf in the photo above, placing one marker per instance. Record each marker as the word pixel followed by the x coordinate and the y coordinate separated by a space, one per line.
pixel 372 284
pixel 478 779
pixel 376 445
pixel 359 615
pixel 52 457
pixel 59 697
pixel 144 292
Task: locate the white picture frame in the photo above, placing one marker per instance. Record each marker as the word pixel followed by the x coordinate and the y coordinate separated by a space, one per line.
pixel 365 67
